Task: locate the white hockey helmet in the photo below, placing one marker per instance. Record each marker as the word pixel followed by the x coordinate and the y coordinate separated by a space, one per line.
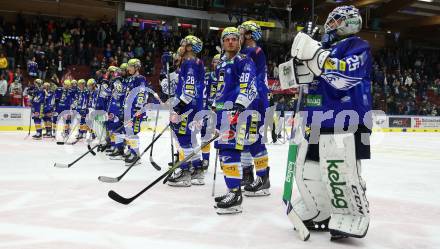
pixel 346 20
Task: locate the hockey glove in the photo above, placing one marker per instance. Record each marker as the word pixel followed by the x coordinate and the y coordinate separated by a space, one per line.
pixel 237 109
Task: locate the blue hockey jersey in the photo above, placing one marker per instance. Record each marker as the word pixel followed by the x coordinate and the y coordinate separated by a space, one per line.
pixel 209 90
pixel 344 84
pixel 236 81
pixel 190 85
pixel 259 58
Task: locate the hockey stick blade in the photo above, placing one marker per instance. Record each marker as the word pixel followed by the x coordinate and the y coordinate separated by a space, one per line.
pixel 134 163
pixel 61 165
pixel 108 179
pixel 296 221
pixel 116 197
pixel 154 164
pixel 91 150
pixel 303 232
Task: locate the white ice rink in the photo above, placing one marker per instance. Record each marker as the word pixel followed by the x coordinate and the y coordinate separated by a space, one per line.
pixel 54 208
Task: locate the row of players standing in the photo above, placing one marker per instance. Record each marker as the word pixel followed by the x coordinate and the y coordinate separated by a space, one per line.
pixel 119 93
pixel 237 83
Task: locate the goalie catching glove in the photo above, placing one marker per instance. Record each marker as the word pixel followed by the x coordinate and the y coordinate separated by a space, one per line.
pixel 310 52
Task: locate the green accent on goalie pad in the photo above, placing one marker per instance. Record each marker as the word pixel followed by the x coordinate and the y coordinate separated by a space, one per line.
pixel 290 172
pixel 100 118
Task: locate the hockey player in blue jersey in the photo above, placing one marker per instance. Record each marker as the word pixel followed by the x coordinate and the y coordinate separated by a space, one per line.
pixel 134 102
pixel 235 91
pixel 208 99
pixel 48 108
pixel 328 173
pixel 37 107
pixel 91 102
pixel 116 114
pixel 80 105
pixel 62 101
pixel 256 152
pixel 189 94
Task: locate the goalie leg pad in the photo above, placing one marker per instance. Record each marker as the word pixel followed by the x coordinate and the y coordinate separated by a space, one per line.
pixel 349 206
pixel 313 206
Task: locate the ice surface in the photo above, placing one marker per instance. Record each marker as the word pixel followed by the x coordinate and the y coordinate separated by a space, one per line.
pixel 46 207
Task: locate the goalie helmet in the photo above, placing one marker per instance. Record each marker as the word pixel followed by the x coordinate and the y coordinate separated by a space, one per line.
pixel 250 26
pixel 195 43
pixel 345 20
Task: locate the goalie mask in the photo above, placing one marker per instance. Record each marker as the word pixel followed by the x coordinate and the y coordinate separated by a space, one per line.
pixel 345 20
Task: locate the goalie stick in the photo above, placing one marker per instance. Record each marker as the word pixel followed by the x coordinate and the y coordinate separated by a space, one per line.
pixel 118 198
pixel 296 221
pixel 117 179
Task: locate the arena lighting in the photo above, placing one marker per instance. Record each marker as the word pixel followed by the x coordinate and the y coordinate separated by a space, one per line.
pixel 214 28
pixel 388 31
pixel 428 1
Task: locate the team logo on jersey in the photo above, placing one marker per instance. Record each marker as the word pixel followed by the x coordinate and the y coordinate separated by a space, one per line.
pixel 228 71
pixel 190 71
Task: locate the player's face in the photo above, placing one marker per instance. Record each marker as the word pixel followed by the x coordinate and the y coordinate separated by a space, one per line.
pixel 81 86
pixel 333 24
pixel 131 70
pixel 231 43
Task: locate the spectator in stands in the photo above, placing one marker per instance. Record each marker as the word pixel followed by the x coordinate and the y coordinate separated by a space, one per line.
pixel 275 71
pixel 94 65
pixel 60 65
pixel 88 54
pixel 42 67
pixel 3 91
pixel 3 63
pixel 10 53
pixel 108 52
pixel 32 68
pixel 15 93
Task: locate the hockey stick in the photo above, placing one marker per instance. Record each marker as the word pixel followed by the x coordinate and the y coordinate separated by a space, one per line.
pixel 152 162
pixel 304 233
pixel 117 179
pixel 169 109
pixel 30 123
pixel 68 137
pixel 116 197
pixel 62 165
pixel 215 173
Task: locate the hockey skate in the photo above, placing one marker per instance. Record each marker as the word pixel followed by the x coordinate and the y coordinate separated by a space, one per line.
pixel 205 164
pixel 248 176
pixel 48 134
pixel 260 187
pixel 132 158
pixel 110 150
pixel 180 178
pixel 198 177
pixel 118 154
pixel 230 203
pixel 37 136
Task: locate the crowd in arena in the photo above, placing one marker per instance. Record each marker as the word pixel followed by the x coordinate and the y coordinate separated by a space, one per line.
pixel 45 48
